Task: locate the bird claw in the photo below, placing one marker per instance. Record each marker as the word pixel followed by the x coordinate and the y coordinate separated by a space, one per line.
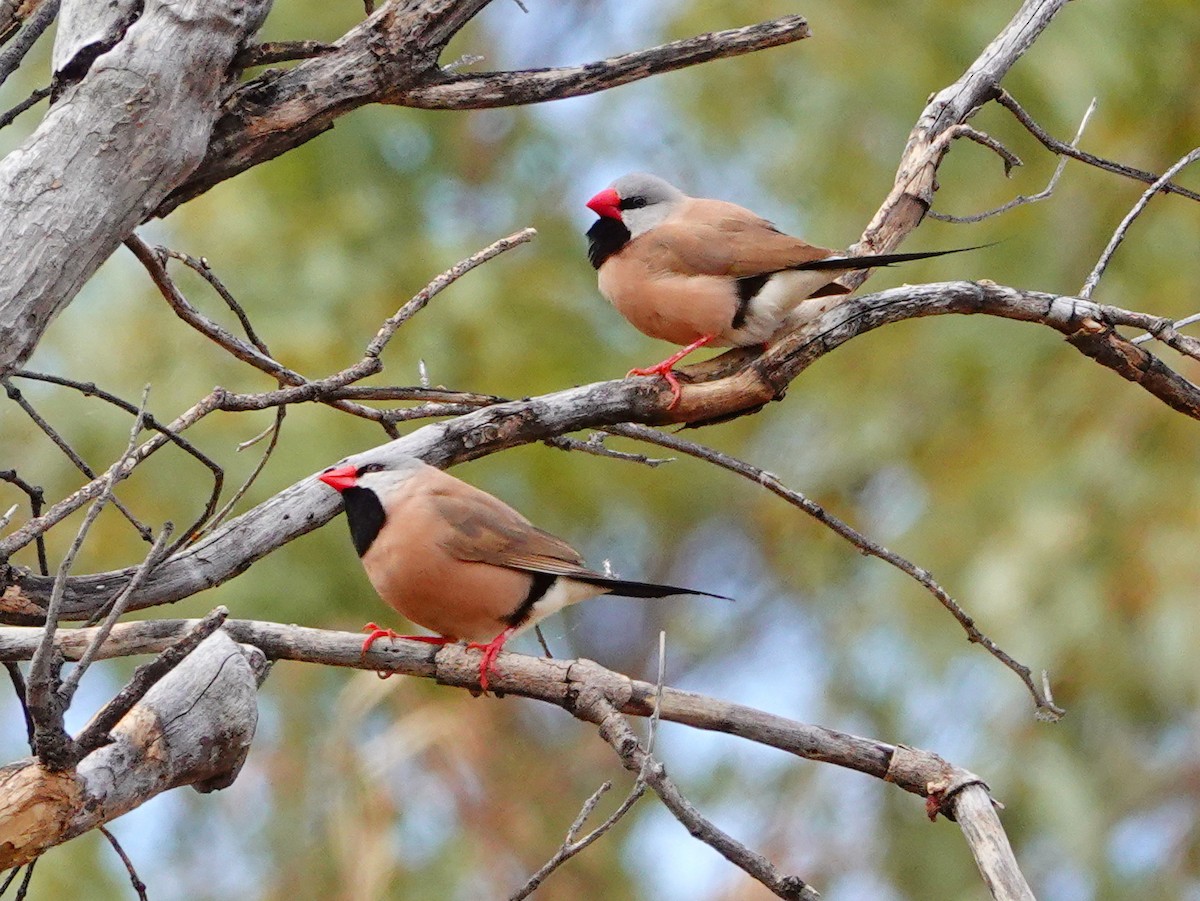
pixel 377 633
pixel 667 373
pixel 491 650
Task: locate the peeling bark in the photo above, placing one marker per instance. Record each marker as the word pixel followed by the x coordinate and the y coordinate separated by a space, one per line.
pixel 192 728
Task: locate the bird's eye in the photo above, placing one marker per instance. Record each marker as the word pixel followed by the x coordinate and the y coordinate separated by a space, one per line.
pixel 632 203
pixel 370 467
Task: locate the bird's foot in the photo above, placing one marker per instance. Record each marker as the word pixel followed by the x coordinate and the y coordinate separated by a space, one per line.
pixel 377 633
pixel 667 366
pixel 491 650
pixel 668 374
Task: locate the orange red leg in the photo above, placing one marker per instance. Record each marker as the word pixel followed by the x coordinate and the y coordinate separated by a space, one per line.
pixel 666 366
pixel 377 633
pixel 491 650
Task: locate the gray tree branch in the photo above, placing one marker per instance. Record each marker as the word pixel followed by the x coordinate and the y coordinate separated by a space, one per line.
pixel 192 728
pixel 564 683
pixel 106 154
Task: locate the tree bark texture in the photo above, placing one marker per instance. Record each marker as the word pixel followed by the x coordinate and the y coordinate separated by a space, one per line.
pixel 111 148
pixel 192 728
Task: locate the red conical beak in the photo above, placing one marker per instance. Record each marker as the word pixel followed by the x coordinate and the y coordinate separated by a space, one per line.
pixel 341 477
pixel 607 204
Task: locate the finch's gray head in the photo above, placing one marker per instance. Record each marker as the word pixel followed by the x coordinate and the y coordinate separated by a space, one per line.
pixel 639 200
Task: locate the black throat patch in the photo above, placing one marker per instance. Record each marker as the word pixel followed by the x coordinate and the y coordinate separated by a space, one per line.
pixel 364 513
pixel 605 238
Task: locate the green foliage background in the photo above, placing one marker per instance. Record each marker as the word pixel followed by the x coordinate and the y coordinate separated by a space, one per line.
pixel 1060 504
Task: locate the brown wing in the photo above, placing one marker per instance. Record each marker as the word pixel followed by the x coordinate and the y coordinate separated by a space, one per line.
pixel 487 530
pixel 712 237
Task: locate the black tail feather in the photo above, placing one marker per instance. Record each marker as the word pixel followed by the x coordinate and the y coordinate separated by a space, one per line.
pixel 871 261
pixel 627 589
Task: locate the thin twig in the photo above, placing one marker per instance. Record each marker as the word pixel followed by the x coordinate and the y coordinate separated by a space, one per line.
pixel 1119 235
pixel 90 389
pixel 9 117
pixel 1022 199
pixel 62 444
pixel 422 298
pixel 95 735
pixel 8 880
pixel 37 497
pixel 592 706
pixel 18 684
pixel 54 746
pixel 572 845
pixel 24 887
pixel 138 885
pixel 595 445
pixel 1044 701
pixel 1051 143
pixel 1174 324
pixel 115 610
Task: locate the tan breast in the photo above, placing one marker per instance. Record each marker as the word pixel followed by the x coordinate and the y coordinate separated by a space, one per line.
pixel 664 304
pixel 418 578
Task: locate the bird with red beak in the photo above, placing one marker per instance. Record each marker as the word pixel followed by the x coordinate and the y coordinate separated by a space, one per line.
pixel 458 561
pixel 700 272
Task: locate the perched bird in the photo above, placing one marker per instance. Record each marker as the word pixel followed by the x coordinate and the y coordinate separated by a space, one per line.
pixel 702 272
pixel 455 559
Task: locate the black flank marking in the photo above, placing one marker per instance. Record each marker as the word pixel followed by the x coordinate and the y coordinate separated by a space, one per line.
pixel 747 290
pixel 605 238
pixel 537 590
pixel 365 515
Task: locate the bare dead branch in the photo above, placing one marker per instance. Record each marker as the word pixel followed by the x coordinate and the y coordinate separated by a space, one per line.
pixel 272 52
pixel 1006 100
pixel 975 812
pixel 1088 327
pixel 1022 199
pixel 90 389
pixel 18 684
pixel 55 749
pixel 1045 703
pixel 1170 327
pixel 63 445
pixel 916 176
pixel 96 733
pixel 302 388
pixel 36 496
pixel 595 446
pixel 35 27
pixel 176 65
pixel 485 90
pixel 572 844
pixel 193 727
pixel 58 511
pixel 278 112
pixel 422 298
pixel 1165 330
pixel 200 267
pixel 28 103
pixel 113 613
pixel 1119 235
pixel 591 705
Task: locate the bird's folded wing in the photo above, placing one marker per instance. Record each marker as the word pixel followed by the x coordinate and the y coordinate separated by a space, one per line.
pixel 483 529
pixel 723 243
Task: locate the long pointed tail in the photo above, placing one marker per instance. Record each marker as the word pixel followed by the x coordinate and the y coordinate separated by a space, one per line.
pixel 870 261
pixel 628 589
